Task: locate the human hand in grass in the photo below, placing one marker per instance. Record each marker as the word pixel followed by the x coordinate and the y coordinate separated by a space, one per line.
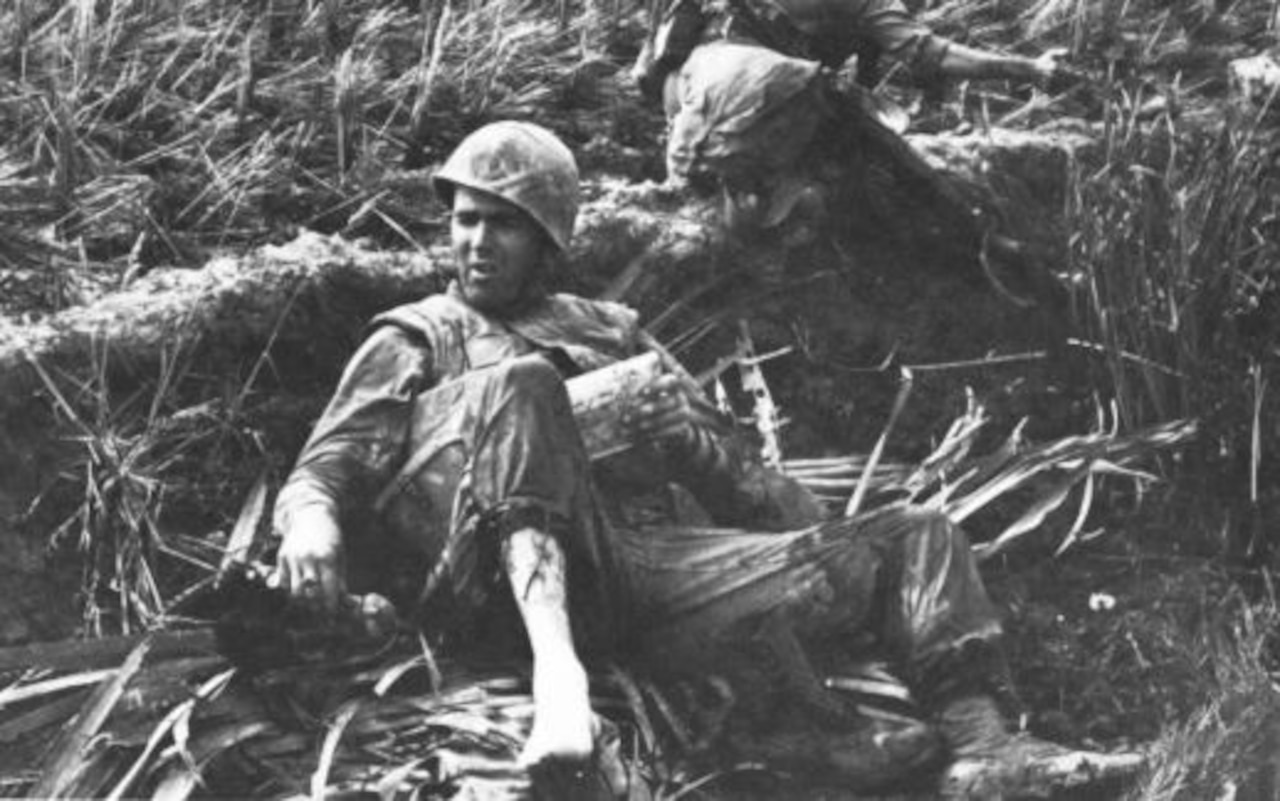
pixel 311 565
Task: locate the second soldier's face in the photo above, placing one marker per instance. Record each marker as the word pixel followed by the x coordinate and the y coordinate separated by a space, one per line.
pixel 499 249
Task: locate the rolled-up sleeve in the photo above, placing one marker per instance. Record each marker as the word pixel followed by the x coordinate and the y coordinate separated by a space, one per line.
pixel 891 26
pixel 360 438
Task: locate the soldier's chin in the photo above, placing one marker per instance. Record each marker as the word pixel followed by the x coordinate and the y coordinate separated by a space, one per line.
pixel 485 296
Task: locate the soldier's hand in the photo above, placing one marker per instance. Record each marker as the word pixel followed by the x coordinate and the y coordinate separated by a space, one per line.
pixel 663 410
pixel 1050 63
pixel 1055 74
pixel 311 563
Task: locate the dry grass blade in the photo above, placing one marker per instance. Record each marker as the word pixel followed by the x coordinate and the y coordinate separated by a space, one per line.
pixel 388 786
pixel 1048 501
pixel 1038 478
pixel 864 483
pixel 25 692
pixel 241 544
pixel 88 654
pixel 320 779
pixel 178 715
pixel 397 671
pixel 56 711
pixel 635 702
pixel 67 755
pixel 177 784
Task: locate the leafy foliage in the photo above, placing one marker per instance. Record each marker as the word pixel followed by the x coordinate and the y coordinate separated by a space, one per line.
pixel 138 465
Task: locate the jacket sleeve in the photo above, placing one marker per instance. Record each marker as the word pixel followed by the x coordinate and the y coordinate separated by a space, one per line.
pixel 898 34
pixel 734 486
pixel 720 468
pixel 360 438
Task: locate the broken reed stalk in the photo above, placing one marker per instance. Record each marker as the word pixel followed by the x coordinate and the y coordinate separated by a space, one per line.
pixel 899 403
pixel 67 755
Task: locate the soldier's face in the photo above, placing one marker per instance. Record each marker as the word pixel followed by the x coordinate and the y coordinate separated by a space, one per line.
pixel 499 249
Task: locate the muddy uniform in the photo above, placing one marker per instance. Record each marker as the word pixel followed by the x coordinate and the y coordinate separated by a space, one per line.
pixel 455 428
pixel 754 92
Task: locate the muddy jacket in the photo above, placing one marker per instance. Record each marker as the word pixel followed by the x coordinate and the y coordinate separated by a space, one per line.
pixel 362 436
pixel 578 334
pixel 822 31
pixel 751 94
pixel 830 31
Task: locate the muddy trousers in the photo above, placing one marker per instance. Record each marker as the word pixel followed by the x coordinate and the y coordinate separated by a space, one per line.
pixel 901 581
pixel 502 440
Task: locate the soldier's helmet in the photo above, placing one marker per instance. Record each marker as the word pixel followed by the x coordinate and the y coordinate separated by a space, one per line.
pixel 522 163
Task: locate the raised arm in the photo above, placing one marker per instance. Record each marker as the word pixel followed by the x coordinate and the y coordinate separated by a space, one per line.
pixel 897 33
pixel 961 61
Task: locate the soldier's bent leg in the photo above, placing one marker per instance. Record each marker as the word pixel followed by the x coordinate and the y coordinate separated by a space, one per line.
pixel 493 452
pixel 725 601
pixel 907 577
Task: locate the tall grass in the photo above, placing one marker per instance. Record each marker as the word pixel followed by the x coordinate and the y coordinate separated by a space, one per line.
pixel 149 455
pixel 165 128
pixel 1227 748
pixel 1175 261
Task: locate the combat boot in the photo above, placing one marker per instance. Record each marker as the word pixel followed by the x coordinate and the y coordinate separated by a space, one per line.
pixel 871 755
pixel 990 763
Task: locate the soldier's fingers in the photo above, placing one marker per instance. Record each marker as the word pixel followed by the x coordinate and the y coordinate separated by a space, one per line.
pixel 308 588
pixel 330 590
pixel 654 424
pixel 665 405
pixel 673 430
pixel 662 386
pixel 289 578
pixel 666 383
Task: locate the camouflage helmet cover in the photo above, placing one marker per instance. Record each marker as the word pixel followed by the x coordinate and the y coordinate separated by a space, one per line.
pixel 525 165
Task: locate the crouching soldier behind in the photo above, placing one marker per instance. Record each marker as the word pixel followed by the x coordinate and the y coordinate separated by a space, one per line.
pixel 758 102
pixel 451 425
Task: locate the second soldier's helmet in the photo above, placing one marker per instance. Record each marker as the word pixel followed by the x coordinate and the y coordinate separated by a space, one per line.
pixel 525 165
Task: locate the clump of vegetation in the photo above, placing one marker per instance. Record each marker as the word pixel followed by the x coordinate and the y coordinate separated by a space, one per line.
pixel 150 459
pixel 159 130
pixel 1226 748
pixel 1172 249
pixel 1173 255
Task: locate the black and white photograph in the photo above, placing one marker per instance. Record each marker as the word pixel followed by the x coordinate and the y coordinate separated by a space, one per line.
pixel 640 400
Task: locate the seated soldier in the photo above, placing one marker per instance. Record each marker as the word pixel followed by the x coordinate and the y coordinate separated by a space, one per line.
pixel 451 425
pixel 756 102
